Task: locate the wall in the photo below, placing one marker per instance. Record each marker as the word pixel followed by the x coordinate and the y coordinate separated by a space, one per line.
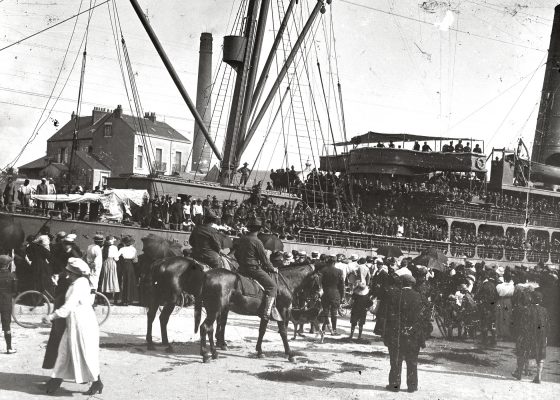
pixel 53 147
pixel 168 147
pixel 115 151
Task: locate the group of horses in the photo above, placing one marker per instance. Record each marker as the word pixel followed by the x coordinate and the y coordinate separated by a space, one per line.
pixel 218 291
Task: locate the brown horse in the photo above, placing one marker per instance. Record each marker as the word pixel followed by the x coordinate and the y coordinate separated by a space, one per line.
pixel 170 278
pixel 221 292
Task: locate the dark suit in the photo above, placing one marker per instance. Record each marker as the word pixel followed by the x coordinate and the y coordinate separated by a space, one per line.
pixel 206 245
pixel 487 298
pixel 333 289
pixel 404 334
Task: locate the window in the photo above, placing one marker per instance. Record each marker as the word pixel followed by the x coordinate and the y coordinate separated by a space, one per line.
pixel 159 155
pixel 178 158
pixel 62 157
pixel 108 129
pixel 140 157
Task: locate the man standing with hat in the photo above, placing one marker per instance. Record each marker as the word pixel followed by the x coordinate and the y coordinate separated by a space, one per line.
pixel 244 171
pixel 404 334
pixel 487 299
pixel 42 189
pixel 333 291
pixel 8 284
pixel 206 242
pixel 254 263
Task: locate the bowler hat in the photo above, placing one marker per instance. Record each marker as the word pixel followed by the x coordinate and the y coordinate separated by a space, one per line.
pixel 407 280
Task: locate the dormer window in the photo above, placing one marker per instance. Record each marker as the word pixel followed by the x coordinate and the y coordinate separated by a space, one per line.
pixel 108 129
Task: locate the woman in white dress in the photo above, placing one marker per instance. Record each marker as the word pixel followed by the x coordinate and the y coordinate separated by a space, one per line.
pixel 109 275
pixel 78 352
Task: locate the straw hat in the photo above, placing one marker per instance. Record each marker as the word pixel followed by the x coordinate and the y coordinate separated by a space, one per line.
pixel 77 266
pixel 361 289
pixel 70 238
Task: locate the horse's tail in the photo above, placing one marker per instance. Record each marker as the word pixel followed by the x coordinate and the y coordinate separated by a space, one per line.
pixel 198 307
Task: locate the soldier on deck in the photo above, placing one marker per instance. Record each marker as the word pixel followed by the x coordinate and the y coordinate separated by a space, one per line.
pixel 244 171
pixel 206 242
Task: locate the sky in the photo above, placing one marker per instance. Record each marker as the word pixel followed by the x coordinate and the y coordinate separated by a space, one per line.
pixel 454 68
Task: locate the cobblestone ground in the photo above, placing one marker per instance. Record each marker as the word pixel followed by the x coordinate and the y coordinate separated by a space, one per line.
pixel 336 369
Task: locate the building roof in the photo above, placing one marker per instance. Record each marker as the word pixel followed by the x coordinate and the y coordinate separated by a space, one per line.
pixel 85 129
pixel 90 160
pixel 154 128
pixel 39 163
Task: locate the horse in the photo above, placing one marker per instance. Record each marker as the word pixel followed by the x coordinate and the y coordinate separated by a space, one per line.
pixel 171 277
pixel 221 292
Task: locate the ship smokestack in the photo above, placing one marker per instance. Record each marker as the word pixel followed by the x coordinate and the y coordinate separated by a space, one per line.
pixel 201 150
pixel 546 146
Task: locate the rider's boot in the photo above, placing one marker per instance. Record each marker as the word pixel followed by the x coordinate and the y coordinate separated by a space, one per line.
pixel 269 310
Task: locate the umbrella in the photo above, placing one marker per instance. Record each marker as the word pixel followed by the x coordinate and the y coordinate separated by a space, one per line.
pixel 389 251
pixel 271 242
pixel 156 247
pixel 11 233
pixel 432 258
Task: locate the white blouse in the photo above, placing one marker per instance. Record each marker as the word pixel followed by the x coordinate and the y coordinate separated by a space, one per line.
pixel 128 253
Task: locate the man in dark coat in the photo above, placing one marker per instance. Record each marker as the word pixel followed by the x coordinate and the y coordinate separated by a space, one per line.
pixel 254 263
pixel 8 284
pixel 404 332
pixel 333 291
pixel 487 299
pixel 206 242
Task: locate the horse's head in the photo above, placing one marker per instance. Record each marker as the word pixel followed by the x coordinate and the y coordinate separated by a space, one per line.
pixel 312 286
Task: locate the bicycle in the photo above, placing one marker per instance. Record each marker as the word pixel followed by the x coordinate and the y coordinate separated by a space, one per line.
pixel 31 306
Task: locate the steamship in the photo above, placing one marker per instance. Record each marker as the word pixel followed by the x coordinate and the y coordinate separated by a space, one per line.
pixel 252 96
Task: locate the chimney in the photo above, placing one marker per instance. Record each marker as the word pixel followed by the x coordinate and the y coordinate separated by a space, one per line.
pixel 118 111
pixel 546 145
pixel 201 152
pixel 97 114
pixel 150 115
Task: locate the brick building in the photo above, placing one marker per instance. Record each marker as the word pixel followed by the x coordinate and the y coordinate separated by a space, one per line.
pixel 109 143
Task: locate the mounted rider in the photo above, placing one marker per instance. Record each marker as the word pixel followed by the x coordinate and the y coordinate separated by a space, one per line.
pixel 206 242
pixel 254 263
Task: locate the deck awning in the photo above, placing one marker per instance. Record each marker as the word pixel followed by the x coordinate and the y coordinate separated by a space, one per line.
pixel 375 137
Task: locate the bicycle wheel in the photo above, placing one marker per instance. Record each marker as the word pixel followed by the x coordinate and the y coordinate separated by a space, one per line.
pixel 102 308
pixel 29 308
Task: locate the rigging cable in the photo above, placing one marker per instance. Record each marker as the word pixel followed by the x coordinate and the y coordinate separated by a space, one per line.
pixel 71 169
pixel 39 125
pixel 52 26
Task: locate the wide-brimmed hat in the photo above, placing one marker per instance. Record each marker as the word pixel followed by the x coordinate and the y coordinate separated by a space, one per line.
pixel 78 266
pixel 5 260
pixel 256 222
pixel 407 280
pixel 61 235
pixel 98 238
pixel 70 238
pixel 353 257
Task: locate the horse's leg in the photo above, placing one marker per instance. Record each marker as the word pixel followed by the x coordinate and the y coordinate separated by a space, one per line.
pixel 284 336
pixel 262 330
pixel 163 320
pixel 295 330
pixel 203 333
pixel 152 310
pixel 210 331
pixel 221 330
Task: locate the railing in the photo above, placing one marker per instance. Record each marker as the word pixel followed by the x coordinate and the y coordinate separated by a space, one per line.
pixel 329 237
pixel 160 166
pixel 491 213
pixel 177 168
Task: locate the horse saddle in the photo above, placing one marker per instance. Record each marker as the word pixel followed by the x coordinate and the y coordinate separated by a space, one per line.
pixel 250 287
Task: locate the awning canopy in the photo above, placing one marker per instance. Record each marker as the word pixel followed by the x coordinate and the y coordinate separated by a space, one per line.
pixel 375 137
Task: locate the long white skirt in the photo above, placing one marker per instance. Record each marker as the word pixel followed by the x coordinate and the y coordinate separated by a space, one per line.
pixel 78 352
